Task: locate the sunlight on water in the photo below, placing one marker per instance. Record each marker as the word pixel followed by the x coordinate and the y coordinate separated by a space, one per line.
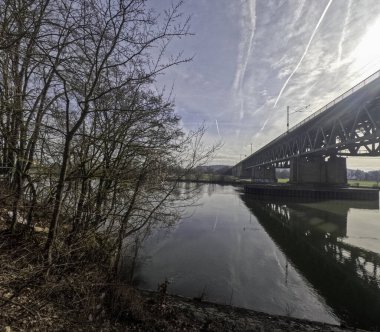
pixel 363 229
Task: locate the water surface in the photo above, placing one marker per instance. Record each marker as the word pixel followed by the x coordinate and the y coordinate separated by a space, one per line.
pixel 313 260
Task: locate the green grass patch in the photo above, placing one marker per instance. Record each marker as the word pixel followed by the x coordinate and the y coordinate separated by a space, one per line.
pixel 351 183
pixel 363 183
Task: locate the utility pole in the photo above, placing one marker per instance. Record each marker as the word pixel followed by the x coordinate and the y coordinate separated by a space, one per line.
pixel 301 109
pixel 287 118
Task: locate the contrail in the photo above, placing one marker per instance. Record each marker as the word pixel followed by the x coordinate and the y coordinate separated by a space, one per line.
pixel 304 53
pixel 264 125
pixel 247 47
pixel 217 128
pixel 344 31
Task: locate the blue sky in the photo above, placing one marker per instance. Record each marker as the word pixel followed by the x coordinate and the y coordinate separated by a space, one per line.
pixel 255 57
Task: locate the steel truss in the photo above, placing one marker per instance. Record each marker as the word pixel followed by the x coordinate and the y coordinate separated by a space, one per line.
pixel 353 133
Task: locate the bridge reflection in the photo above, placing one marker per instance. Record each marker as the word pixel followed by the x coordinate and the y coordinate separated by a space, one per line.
pixel 312 237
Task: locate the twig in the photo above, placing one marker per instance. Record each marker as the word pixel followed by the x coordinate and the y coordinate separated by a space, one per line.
pixel 34 313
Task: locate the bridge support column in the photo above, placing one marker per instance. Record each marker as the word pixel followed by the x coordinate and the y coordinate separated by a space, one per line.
pixel 241 171
pixel 246 173
pixel 293 174
pixel 264 174
pixel 307 170
pixel 317 170
pixel 336 170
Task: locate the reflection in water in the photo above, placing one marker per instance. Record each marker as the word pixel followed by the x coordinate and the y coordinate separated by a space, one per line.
pixel 308 260
pixel 312 236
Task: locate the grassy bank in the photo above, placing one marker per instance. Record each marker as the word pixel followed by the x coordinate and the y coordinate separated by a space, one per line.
pixel 351 183
pixel 363 183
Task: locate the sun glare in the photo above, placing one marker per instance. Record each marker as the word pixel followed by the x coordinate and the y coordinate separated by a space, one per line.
pixel 367 53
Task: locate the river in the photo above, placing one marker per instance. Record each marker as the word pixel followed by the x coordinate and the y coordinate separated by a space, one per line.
pixel 314 260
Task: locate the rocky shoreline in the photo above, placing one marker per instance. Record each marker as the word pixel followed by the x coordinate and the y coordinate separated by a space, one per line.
pixel 175 313
pixel 154 311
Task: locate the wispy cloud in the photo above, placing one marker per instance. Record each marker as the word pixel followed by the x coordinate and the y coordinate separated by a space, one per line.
pixel 245 50
pixel 304 53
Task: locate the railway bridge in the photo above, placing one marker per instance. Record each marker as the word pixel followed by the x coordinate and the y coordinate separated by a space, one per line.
pixel 316 149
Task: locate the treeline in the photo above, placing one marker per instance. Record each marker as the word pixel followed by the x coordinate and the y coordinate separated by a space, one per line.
pixel 362 175
pixel 284 173
pixel 88 143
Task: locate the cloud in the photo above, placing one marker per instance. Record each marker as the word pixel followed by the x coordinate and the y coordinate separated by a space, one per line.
pixel 243 49
pixel 304 53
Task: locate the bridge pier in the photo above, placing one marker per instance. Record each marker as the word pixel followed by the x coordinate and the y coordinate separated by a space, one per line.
pixel 264 174
pixel 336 170
pixel 241 171
pixel 316 170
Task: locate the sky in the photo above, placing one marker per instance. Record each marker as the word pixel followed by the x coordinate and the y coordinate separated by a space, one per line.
pixel 253 58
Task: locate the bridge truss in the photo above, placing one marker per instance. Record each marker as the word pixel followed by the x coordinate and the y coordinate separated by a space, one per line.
pixel 348 126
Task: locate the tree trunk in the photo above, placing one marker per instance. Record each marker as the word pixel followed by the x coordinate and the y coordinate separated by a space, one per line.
pixel 57 202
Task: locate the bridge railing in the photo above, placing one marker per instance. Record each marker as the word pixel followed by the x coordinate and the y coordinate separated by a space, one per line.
pixel 324 108
pixel 338 99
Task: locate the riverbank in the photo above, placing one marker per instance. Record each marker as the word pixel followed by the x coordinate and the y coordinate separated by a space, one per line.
pixel 231 180
pixel 80 300
pixel 150 311
pixel 174 313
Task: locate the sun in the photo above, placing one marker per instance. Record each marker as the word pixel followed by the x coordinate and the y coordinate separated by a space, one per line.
pixel 367 53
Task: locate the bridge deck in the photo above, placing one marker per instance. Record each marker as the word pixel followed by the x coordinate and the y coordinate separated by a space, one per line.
pixel 349 125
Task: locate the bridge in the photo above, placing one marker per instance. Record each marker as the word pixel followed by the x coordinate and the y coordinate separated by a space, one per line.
pixel 316 149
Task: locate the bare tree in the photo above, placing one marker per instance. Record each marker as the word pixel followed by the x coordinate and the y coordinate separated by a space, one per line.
pixel 107 51
pixel 84 132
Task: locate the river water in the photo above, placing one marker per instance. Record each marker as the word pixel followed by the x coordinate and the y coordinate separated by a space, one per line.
pixel 314 260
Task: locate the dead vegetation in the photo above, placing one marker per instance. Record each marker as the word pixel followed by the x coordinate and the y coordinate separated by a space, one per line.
pixel 35 295
pixel 76 293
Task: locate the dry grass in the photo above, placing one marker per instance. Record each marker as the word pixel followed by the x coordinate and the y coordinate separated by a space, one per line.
pixel 33 295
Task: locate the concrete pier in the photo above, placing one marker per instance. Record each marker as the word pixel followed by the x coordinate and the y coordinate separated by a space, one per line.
pixel 242 171
pixel 315 192
pixel 315 170
pixel 264 174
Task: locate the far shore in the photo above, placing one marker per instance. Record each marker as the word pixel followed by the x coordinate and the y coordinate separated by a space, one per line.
pixel 231 180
